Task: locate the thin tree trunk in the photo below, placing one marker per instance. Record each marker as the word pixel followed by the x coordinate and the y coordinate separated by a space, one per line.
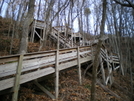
pixel 96 59
pixel 24 39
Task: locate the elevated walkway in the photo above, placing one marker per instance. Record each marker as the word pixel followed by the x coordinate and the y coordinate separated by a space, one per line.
pixel 67 38
pixel 19 69
pixel 36 65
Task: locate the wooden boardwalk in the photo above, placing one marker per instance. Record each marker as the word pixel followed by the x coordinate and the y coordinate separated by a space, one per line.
pixel 22 68
pixel 19 69
pixel 36 65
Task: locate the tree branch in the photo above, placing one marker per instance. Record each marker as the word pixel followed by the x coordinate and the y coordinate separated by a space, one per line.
pixel 129 4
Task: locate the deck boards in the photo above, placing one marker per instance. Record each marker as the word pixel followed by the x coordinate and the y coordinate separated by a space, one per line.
pixel 32 64
pixel 39 64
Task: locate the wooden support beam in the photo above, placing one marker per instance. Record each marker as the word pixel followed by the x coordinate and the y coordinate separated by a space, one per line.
pixel 79 66
pixel 17 79
pixel 110 75
pixel 102 70
pixel 44 90
pixel 34 27
pixel 31 31
pixel 38 35
pixel 121 66
pixel 7 83
pixel 57 75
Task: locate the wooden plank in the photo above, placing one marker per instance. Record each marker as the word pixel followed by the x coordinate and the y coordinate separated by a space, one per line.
pixel 35 54
pixel 116 68
pixel 102 70
pixel 4 60
pixel 79 66
pixel 38 55
pixel 44 90
pixel 8 69
pixel 36 63
pixel 108 77
pixel 17 79
pixel 38 35
pixel 74 63
pixel 61 40
pixel 57 75
pixel 4 84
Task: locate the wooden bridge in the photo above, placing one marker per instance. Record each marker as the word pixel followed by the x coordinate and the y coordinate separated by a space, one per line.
pixel 66 35
pixel 22 68
pixel 19 69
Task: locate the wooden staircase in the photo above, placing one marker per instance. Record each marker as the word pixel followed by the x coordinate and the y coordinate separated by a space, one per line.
pixel 64 41
pixel 112 63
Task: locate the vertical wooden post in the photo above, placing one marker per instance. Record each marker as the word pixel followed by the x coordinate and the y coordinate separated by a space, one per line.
pixel 57 70
pixel 102 69
pixel 109 67
pixel 33 34
pixel 79 65
pixel 65 36
pixel 17 79
pixel 75 40
pixel 31 29
pixel 72 39
pixel 121 65
pixel 58 43
pixel 57 75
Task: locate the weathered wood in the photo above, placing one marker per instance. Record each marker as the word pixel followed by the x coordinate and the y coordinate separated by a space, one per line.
pixel 109 69
pixel 33 32
pixel 57 75
pixel 17 79
pixel 79 66
pixel 7 83
pixel 44 90
pixel 102 70
pixel 4 60
pixel 11 58
pixel 109 76
pixel 57 69
pixel 38 35
pixel 60 39
pixel 4 84
pixel 88 67
pixel 116 68
pixel 8 69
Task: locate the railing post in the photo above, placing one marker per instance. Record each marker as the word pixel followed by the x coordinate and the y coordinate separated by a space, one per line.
pixel 102 69
pixel 79 65
pixel 57 75
pixel 109 68
pixel 17 79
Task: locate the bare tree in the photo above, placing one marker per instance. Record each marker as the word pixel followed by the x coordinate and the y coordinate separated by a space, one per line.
pixel 24 39
pixel 96 59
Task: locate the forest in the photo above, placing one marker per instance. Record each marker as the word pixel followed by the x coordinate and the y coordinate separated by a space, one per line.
pixel 92 39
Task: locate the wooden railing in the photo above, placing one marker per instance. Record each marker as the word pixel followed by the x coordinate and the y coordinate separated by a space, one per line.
pixel 36 65
pixel 63 40
pixel 110 61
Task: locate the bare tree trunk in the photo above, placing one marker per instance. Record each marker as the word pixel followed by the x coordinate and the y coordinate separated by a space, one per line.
pixel 24 38
pixel 96 59
pixel 1 5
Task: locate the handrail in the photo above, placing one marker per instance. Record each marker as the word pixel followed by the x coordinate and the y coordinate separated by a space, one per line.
pixel 38 64
pixel 9 63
